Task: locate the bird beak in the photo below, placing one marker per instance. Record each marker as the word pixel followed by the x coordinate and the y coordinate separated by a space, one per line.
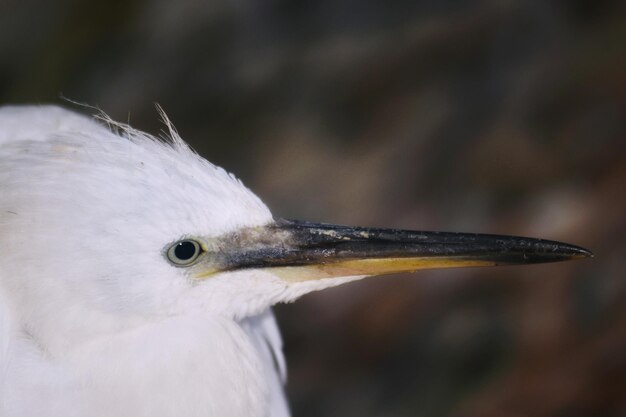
pixel 301 251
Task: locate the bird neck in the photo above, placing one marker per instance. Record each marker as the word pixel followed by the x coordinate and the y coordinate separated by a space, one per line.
pixel 185 365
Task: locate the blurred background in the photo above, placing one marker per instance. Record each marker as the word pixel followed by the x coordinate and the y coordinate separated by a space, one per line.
pixel 477 116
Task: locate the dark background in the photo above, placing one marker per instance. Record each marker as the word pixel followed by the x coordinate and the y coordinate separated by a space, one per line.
pixel 482 116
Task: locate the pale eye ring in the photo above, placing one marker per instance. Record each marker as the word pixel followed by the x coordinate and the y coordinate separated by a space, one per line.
pixel 184 252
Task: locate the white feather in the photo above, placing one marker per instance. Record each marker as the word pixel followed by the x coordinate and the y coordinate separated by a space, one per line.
pixel 93 320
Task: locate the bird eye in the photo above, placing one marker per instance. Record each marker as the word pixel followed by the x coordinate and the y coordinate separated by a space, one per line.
pixel 184 252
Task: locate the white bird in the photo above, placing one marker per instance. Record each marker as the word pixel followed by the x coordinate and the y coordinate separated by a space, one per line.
pixel 136 278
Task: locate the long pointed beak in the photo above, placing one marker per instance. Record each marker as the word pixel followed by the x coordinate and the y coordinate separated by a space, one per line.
pixel 298 251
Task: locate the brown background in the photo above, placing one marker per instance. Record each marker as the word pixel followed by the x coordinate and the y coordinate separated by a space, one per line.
pixel 483 116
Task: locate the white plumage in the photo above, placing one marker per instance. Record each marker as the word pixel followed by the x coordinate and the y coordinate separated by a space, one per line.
pixel 95 322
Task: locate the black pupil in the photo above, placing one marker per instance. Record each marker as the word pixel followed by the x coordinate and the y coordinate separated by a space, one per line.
pixel 185 251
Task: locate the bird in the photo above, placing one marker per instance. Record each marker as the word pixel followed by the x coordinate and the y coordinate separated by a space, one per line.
pixel 138 279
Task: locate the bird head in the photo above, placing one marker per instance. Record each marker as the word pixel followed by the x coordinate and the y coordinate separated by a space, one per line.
pixel 102 228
